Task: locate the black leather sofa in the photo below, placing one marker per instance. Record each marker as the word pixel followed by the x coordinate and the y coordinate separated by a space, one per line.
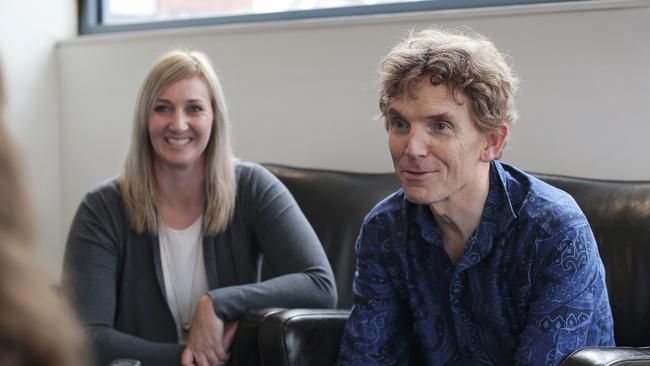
pixel 335 203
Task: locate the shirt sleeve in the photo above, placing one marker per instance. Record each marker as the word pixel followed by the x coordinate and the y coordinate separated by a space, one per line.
pixel 303 276
pixel 90 277
pixel 378 330
pixel 569 306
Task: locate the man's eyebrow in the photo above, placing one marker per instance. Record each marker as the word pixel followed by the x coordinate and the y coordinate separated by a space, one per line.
pixel 444 115
pixel 393 113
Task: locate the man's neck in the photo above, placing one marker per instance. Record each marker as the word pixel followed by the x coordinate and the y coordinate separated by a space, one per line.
pixel 459 215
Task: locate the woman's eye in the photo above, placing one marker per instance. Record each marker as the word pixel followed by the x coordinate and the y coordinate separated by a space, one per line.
pixel 161 109
pixel 195 109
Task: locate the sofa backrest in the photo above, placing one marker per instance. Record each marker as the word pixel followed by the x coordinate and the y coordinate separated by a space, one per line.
pixel 336 202
pixel 619 215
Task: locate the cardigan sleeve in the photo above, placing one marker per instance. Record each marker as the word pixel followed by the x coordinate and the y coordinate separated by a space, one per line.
pixel 304 277
pixel 94 251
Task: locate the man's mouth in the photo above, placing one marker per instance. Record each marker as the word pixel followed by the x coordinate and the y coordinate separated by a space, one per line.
pixel 417 174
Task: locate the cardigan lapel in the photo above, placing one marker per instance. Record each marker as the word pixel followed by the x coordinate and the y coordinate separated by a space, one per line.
pixel 210 262
pixel 155 245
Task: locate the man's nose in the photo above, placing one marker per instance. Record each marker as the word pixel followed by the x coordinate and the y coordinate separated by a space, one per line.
pixel 178 122
pixel 416 146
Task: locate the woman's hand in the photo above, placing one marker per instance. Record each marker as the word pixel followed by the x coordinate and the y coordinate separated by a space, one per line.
pixel 209 340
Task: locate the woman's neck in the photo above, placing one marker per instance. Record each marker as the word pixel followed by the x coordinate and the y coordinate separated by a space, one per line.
pixel 181 194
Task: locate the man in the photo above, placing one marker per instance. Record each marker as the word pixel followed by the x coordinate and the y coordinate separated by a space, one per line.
pixel 472 261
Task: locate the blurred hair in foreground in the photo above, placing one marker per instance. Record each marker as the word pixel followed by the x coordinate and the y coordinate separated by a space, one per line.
pixel 36 326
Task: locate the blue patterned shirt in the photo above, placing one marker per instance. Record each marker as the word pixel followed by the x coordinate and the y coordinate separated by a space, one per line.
pixel 528 290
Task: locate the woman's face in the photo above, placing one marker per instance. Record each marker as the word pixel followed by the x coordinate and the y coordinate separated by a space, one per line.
pixel 180 124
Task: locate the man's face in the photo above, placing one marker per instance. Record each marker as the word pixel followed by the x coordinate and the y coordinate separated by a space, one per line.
pixel 436 146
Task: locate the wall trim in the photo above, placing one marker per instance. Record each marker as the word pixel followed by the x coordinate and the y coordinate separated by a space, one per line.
pixel 355 21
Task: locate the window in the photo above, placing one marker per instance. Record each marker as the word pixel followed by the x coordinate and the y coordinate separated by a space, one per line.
pixel 129 11
pixel 98 16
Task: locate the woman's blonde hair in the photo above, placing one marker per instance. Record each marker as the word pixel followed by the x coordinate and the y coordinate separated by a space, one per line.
pixel 14 214
pixel 138 184
pixel 36 326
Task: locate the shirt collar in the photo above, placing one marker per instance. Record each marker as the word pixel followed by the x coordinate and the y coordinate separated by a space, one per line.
pixel 497 215
pixel 423 217
pixel 498 206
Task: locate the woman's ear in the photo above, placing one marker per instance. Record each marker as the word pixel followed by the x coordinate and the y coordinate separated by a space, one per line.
pixel 496 140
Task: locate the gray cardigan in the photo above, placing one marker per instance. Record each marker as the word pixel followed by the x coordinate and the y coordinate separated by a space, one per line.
pixel 115 274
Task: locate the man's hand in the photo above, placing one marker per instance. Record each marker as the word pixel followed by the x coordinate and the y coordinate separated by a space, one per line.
pixel 209 340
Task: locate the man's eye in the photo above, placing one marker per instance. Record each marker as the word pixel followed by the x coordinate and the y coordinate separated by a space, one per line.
pixel 398 124
pixel 442 126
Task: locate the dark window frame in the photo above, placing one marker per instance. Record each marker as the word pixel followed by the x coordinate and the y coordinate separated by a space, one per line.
pixel 91 13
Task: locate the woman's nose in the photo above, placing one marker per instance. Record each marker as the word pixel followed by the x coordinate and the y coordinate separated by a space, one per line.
pixel 178 122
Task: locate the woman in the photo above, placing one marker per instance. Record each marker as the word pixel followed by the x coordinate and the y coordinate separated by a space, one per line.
pixel 166 259
pixel 36 327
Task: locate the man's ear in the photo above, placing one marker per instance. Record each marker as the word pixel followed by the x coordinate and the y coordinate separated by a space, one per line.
pixel 495 142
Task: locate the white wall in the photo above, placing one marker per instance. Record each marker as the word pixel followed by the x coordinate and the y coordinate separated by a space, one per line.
pixel 29 30
pixel 303 93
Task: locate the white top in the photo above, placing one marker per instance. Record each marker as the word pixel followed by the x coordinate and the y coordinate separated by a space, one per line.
pixel 183 271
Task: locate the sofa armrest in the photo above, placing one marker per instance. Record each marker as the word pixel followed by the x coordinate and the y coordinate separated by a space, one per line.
pixel 302 337
pixel 244 350
pixel 605 356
